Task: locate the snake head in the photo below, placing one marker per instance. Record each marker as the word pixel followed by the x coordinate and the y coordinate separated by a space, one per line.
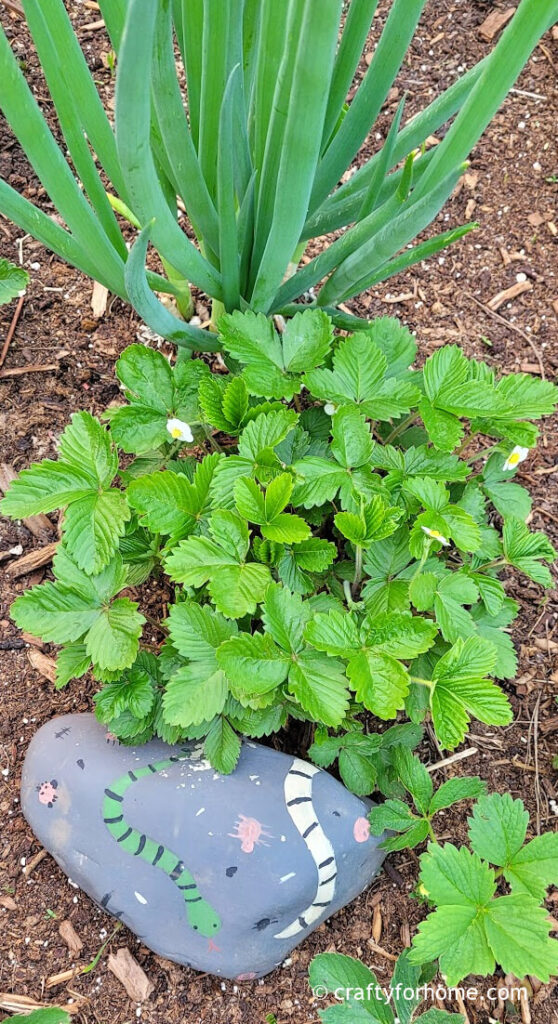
pixel 204 919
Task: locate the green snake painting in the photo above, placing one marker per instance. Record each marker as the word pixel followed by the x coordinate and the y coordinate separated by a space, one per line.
pixel 201 916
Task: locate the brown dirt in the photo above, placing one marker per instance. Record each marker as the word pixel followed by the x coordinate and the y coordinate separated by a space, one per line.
pixel 511 189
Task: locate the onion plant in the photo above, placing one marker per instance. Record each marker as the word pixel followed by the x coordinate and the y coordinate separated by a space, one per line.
pixel 236 112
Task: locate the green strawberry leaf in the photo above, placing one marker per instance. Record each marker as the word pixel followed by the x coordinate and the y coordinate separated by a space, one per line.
pixel 527 397
pixel 387 565
pixel 222 746
pixel 359 378
pixel 235 586
pixel 195 694
pixel 526 550
pixel 13 281
pixel 399 634
pixel 272 362
pixel 72 662
pixel 155 393
pixel 253 663
pixel 112 640
pixel 460 689
pixel 380 682
pixel 197 631
pixel 517 931
pixel 319 685
pixel 498 827
pixel 533 868
pixel 454 790
pixel 80 481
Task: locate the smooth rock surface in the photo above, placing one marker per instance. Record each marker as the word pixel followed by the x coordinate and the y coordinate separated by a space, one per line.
pixel 225 874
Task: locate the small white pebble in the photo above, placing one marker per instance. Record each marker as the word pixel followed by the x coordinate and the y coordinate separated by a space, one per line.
pixel 520 278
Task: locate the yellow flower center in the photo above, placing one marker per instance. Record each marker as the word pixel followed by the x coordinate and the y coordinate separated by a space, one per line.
pixel 513 459
pixel 435 533
pixel 175 432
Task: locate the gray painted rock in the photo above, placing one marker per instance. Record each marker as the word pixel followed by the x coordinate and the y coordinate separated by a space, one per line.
pixel 225 874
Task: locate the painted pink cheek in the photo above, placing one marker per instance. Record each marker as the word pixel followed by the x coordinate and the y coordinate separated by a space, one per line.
pixel 361 830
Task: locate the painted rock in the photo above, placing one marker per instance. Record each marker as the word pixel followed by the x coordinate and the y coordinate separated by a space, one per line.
pixel 223 873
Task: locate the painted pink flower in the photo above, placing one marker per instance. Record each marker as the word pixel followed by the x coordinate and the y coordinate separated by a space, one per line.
pixel 248 976
pixel 361 830
pixel 250 832
pixel 47 792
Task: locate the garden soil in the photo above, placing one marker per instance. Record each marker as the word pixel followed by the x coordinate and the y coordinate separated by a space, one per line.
pixel 61 359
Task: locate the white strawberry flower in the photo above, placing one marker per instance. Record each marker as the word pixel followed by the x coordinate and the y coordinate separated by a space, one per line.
pixel 179 430
pixel 330 408
pixel 516 456
pixel 436 535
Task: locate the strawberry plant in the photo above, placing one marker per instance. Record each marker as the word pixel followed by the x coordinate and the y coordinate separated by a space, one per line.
pixel 328 521
pixel 487 915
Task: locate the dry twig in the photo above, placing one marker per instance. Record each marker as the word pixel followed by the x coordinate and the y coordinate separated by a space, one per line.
pixel 513 327
pixel 11 329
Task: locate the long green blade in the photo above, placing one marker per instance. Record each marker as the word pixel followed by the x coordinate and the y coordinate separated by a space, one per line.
pixel 133 118
pixel 192 43
pixel 175 134
pixel 152 311
pixel 339 250
pixel 346 211
pixel 271 46
pixel 357 26
pixel 301 145
pixel 226 197
pixel 245 228
pixel 250 46
pixel 373 191
pixel 266 182
pixel 63 82
pixel 215 71
pixel 417 214
pixel 34 222
pixel 29 126
pixel 114 17
pixel 409 258
pixel 363 111
pixel 73 67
